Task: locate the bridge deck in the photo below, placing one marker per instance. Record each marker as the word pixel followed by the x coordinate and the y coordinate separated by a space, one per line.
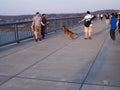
pixel 58 63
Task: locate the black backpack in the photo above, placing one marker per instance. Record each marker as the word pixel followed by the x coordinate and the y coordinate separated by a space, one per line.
pixel 88 22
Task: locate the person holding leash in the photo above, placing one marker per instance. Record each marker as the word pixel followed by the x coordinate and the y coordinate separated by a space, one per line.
pixel 87 25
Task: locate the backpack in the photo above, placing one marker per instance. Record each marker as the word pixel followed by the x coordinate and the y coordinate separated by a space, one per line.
pixel 87 23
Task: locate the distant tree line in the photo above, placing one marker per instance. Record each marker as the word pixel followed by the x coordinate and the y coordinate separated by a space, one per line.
pixel 4 18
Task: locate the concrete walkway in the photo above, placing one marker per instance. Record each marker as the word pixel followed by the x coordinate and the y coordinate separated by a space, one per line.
pixel 58 63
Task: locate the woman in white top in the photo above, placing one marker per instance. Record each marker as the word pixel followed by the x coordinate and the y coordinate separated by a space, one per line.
pixel 87 25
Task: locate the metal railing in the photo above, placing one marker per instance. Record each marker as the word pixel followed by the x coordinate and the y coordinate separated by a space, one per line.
pixel 16 31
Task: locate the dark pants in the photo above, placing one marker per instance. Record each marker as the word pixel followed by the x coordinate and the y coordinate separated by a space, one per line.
pixel 43 28
pixel 112 34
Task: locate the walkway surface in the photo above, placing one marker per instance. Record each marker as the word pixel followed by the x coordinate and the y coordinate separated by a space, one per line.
pixel 58 63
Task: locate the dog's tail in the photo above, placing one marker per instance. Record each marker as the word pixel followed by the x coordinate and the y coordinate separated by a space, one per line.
pixel 76 35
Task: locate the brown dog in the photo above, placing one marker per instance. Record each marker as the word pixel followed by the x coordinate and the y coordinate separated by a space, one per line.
pixel 66 31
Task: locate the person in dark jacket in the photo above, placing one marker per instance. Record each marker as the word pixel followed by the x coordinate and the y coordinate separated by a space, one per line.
pixel 43 25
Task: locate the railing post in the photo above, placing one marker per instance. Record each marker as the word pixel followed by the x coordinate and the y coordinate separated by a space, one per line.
pixel 16 34
pixel 19 30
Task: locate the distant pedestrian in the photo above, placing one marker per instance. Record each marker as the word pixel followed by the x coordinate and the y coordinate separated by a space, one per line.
pixel 101 17
pixel 98 16
pixel 36 24
pixel 113 26
pixel 87 24
pixel 119 22
pixel 43 25
pixel 107 17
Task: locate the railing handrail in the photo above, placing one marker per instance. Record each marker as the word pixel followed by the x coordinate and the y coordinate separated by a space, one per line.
pixel 28 21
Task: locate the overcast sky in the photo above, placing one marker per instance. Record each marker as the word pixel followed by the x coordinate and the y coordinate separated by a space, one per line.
pixel 24 7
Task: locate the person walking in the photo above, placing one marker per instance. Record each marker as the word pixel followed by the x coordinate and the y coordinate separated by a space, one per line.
pixel 118 22
pixel 107 17
pixel 36 25
pixel 43 25
pixel 101 16
pixel 87 25
pixel 113 26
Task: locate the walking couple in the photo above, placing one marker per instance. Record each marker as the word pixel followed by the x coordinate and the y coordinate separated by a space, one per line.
pixel 39 25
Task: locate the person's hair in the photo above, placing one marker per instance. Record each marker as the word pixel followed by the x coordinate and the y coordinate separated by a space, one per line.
pixel 112 14
pixel 88 12
pixel 37 13
pixel 43 14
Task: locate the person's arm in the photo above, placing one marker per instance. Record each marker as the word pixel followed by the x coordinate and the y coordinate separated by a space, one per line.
pixel 117 24
pixel 42 23
pixel 33 23
pixel 81 20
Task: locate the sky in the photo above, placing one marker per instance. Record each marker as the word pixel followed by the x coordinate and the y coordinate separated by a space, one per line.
pixel 30 7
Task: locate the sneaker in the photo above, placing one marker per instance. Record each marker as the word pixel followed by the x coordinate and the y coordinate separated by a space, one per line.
pixel 36 40
pixel 85 38
pixel 40 39
pixel 90 38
